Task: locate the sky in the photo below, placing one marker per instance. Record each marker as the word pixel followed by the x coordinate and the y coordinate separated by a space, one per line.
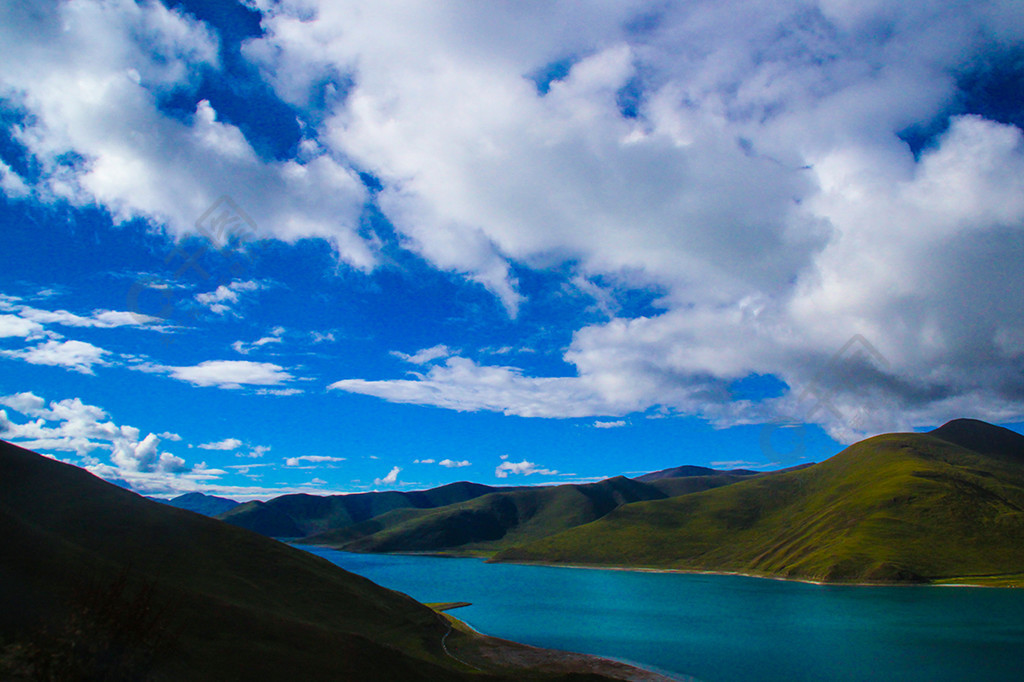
pixel 324 246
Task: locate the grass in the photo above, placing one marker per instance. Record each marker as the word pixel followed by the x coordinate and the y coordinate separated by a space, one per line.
pixel 499 520
pixel 227 603
pixel 894 508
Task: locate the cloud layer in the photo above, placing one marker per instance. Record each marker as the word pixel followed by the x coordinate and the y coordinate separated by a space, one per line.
pixel 750 161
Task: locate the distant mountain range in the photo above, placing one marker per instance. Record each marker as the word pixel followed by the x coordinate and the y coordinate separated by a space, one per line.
pixel 97 582
pixel 943 506
pixel 207 505
pixel 463 518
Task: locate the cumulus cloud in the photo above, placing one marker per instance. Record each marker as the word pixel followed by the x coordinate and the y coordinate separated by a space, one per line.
pixel 748 161
pixel 523 468
pixel 246 348
pixel 73 426
pixel 390 479
pixel 609 425
pixel 13 325
pixel 453 464
pixel 757 175
pixel 463 385
pixel 84 108
pixel 229 374
pixel 78 356
pixel 312 459
pixel 422 357
pixel 102 319
pixel 219 300
pixel 226 444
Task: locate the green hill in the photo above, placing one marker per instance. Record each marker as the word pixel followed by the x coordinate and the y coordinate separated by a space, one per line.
pixel 293 516
pixel 97 582
pixel 942 506
pixel 502 519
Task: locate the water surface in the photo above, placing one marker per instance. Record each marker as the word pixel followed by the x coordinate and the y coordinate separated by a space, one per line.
pixel 720 628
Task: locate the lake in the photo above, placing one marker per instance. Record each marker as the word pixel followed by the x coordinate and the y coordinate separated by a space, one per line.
pixel 720 628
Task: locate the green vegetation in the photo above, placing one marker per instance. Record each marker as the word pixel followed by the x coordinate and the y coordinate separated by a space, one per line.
pixel 294 516
pixel 945 507
pixel 486 524
pixel 97 582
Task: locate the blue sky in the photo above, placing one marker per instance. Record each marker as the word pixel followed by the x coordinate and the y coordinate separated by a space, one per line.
pixel 323 247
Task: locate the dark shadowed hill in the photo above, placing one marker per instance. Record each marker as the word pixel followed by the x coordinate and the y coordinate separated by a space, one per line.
pixel 97 582
pixel 292 516
pixel 207 505
pixel 942 506
pixel 505 518
pixel 688 470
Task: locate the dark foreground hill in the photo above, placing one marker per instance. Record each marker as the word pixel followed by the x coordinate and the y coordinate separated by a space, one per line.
pixel 943 506
pixel 97 582
pixel 507 517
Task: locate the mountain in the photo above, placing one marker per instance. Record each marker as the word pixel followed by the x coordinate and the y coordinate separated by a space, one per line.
pixel 688 470
pixel 207 505
pixel 97 582
pixel 504 518
pixel 294 516
pixel 941 506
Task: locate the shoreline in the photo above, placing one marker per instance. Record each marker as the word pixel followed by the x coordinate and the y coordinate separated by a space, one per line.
pixel 762 576
pixel 1018 583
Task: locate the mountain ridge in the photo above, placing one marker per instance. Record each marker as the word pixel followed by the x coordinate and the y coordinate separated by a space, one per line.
pixel 892 508
pixel 101 583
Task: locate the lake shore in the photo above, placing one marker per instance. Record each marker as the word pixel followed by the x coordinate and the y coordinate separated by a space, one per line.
pixel 496 655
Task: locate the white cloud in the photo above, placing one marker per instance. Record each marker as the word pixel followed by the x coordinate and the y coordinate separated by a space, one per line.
pixel 226 444
pixel 759 181
pixel 13 325
pixel 219 299
pixel 74 355
pixel 461 384
pixel 424 461
pixel 258 451
pixel 167 435
pixel 762 185
pixel 609 425
pixel 523 468
pixel 229 374
pixel 12 184
pixel 452 464
pixel 738 464
pixel 279 391
pixel 100 318
pixel 312 459
pixel 180 165
pixel 73 426
pixel 246 348
pixel 422 357
pixel 390 479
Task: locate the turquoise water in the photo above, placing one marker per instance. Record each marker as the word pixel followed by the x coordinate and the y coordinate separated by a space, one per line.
pixel 722 628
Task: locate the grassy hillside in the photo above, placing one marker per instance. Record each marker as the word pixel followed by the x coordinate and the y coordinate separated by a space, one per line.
pixel 503 519
pixel 97 582
pixel 292 516
pixel 948 505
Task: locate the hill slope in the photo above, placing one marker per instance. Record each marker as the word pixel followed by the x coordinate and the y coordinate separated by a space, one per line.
pixel 502 519
pixel 94 578
pixel 293 516
pixel 207 505
pixel 899 507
